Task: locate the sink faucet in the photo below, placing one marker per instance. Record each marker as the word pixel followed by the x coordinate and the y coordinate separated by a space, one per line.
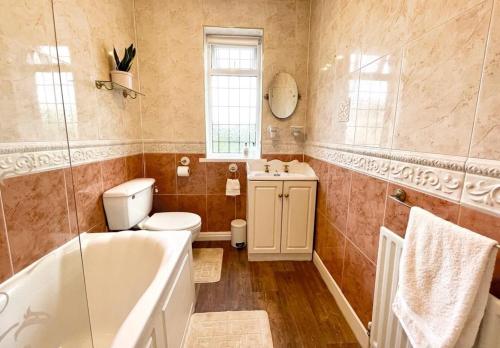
pixel 267 168
pixel 286 166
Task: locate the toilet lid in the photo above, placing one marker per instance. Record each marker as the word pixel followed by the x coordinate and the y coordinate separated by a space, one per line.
pixel 172 221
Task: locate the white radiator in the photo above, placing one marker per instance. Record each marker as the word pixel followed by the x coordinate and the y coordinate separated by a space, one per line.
pixel 386 332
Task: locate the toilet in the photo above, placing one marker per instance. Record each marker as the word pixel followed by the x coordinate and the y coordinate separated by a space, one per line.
pixel 128 206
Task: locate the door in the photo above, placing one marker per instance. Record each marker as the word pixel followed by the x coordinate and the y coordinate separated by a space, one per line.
pixel 264 216
pixel 298 216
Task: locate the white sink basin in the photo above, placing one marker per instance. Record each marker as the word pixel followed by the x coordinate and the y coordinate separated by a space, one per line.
pixel 256 170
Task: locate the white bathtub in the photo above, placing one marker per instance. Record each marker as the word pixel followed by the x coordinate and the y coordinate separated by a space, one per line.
pixel 139 287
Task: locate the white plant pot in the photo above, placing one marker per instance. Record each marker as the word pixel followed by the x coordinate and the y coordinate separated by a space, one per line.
pixel 122 78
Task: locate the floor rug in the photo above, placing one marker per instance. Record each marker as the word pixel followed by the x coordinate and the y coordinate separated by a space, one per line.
pixel 207 264
pixel 239 329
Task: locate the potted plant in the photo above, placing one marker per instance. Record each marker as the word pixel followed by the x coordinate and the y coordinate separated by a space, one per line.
pixel 121 74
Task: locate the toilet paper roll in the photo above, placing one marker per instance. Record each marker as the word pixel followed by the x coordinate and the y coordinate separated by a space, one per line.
pixel 182 171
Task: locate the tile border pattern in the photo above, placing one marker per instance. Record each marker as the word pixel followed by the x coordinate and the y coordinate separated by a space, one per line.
pixel 268 146
pixel 158 146
pixel 32 157
pixel 438 181
pixel 25 158
pixel 473 182
pixel 482 184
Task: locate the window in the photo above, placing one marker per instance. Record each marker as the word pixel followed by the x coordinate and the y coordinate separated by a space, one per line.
pixel 233 94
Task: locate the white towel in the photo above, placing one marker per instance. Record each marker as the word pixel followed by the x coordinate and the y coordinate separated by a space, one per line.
pixel 444 278
pixel 232 187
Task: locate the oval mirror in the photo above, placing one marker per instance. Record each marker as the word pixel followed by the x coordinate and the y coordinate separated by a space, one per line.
pixel 283 95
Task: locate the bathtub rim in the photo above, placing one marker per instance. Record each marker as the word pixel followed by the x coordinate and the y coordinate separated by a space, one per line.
pixel 63 249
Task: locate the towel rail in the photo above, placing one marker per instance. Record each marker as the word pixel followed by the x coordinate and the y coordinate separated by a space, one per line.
pixel 233 169
pixel 399 195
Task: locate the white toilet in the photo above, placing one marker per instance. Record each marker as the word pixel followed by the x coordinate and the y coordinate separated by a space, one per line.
pixel 128 205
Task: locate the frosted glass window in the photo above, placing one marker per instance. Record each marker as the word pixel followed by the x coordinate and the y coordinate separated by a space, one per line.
pixel 233 97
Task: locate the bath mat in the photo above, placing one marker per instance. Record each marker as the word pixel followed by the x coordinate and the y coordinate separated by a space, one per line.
pixel 207 264
pixel 239 329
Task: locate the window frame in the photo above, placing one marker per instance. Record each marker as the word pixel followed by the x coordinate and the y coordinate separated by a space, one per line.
pixel 232 40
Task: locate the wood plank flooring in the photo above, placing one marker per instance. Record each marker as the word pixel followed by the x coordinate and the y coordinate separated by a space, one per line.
pixel 301 310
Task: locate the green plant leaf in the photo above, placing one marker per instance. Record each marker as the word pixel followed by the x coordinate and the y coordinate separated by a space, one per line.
pixel 124 62
pixel 128 56
pixel 117 59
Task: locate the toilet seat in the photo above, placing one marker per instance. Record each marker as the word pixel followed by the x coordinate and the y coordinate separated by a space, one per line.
pixel 172 221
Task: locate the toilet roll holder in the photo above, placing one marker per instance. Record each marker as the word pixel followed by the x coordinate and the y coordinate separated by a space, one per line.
pixel 185 161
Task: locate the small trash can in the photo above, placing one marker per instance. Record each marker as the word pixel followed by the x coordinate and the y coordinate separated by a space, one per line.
pixel 238 233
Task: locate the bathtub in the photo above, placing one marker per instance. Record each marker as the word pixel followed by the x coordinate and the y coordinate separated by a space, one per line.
pixel 138 284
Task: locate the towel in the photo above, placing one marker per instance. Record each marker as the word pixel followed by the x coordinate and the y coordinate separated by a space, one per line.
pixel 444 278
pixel 232 187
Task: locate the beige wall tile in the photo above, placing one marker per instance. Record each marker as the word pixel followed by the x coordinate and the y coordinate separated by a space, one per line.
pixel 486 135
pixel 345 97
pixel 426 15
pixel 351 22
pixel 376 108
pixel 385 28
pixel 439 85
pixel 314 45
pixel 96 114
pixel 172 71
pixel 28 79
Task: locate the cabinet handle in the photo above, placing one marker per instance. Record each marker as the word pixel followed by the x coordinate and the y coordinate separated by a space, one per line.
pixel 286 195
pixel 280 195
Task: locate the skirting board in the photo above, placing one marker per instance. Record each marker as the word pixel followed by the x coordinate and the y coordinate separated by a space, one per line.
pixel 212 236
pixel 279 257
pixel 349 314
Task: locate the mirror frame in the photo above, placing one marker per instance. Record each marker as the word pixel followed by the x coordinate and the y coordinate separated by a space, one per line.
pixel 291 87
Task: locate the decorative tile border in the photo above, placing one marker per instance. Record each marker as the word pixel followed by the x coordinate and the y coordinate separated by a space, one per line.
pixel 474 182
pixel 157 146
pixel 99 152
pixel 483 167
pixel 482 192
pixel 434 180
pixel 482 185
pixel 25 158
pixel 14 164
pixel 370 164
pixel 32 157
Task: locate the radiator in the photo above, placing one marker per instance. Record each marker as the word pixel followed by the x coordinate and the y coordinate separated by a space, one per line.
pixel 386 331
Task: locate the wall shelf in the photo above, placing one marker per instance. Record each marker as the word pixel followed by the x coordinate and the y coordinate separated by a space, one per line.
pixel 110 85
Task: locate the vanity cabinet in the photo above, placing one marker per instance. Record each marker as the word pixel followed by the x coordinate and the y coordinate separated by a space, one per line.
pixel 281 220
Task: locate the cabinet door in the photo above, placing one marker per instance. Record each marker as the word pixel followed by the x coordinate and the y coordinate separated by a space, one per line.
pixel 298 216
pixel 264 216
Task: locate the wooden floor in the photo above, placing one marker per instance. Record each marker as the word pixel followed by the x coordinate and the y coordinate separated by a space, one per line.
pixel 301 310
